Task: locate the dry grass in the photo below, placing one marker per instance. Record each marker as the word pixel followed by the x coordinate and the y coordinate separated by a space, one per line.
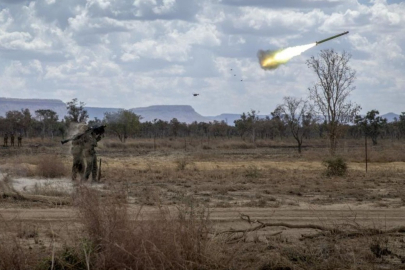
pixel 236 145
pixel 159 180
pixel 114 238
pixel 181 163
pixel 50 166
pixel 46 165
pixel 14 254
pixel 219 173
pixel 119 240
pixel 16 250
pixel 131 145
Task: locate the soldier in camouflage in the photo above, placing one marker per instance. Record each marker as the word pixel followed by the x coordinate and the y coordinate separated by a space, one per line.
pixel 78 162
pixel 19 140
pixel 77 153
pixel 84 153
pixel 89 154
pixel 5 139
pixel 12 139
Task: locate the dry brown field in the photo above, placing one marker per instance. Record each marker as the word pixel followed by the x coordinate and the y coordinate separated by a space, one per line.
pixel 199 204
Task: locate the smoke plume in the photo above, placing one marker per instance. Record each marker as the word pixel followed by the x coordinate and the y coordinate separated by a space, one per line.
pixel 272 59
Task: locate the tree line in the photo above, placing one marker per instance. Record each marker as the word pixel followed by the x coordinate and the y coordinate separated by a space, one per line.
pixel 292 119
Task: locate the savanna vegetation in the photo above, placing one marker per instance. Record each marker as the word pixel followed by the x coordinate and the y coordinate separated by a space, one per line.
pixel 288 191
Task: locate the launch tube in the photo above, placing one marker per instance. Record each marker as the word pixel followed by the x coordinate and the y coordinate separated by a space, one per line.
pixel 327 39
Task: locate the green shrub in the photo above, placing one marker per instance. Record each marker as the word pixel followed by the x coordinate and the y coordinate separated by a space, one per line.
pixel 335 166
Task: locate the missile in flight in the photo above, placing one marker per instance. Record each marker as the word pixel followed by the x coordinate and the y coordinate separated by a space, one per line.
pixel 271 59
pixel 327 39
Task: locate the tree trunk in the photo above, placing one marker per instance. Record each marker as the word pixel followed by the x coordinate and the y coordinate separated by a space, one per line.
pixel 333 144
pixel 332 132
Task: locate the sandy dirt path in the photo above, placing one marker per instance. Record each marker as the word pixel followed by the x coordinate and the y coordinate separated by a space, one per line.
pixel 326 215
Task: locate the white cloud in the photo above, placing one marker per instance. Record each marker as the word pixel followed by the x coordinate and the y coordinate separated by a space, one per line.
pixel 173 46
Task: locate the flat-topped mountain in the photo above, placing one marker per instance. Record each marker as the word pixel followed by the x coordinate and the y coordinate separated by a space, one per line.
pixel 183 113
pixel 16 104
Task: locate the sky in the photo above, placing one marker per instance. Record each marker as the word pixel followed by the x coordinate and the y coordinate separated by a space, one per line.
pixel 137 53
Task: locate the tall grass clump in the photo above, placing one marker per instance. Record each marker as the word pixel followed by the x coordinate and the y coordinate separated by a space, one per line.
pixel 335 166
pixel 182 163
pixel 13 255
pixel 50 166
pixel 252 171
pixel 120 240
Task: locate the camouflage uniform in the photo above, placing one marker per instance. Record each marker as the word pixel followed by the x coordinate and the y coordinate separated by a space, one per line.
pixel 78 162
pixel 19 140
pixel 89 153
pixel 5 139
pixel 12 139
pixel 83 144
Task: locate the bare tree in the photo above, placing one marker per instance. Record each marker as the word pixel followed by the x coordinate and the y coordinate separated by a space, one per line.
pixel 330 93
pixel 294 112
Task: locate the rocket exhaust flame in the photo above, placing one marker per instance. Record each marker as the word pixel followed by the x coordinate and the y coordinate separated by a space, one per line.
pixel 272 59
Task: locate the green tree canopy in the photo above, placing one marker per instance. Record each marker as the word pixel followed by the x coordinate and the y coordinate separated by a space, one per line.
pixel 371 124
pixel 123 123
pixel 48 120
pixel 76 112
pixel 247 124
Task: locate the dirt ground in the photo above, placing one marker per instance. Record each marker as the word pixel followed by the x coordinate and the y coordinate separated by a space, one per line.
pixel 241 189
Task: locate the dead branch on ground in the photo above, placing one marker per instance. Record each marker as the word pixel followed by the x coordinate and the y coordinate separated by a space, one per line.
pixel 356 231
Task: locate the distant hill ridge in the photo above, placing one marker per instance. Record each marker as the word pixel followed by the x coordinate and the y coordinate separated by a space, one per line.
pixel 16 104
pixel 183 113
pixel 31 100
